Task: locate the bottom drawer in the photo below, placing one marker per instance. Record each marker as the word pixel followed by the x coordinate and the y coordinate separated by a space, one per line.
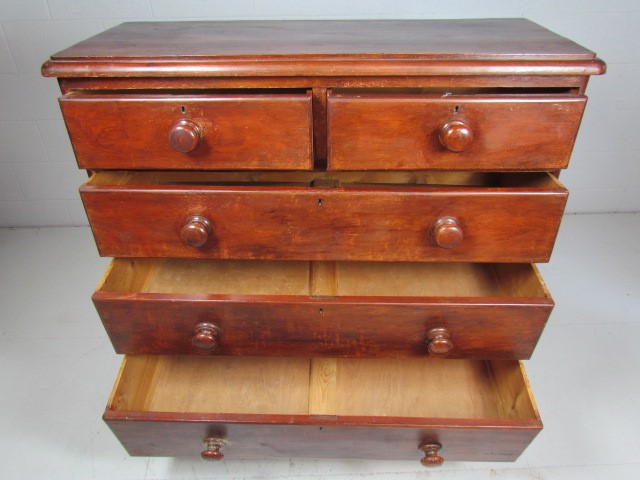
pixel 427 410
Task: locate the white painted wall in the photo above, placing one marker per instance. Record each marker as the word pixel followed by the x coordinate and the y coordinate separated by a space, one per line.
pixel 38 175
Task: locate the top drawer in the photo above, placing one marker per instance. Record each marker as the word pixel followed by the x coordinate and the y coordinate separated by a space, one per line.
pixel 190 132
pixel 456 132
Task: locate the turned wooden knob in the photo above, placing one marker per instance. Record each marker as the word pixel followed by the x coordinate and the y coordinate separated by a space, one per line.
pixel 196 231
pixel 206 337
pixel 212 449
pixel 438 341
pixel 185 136
pixel 431 457
pixel 456 136
pixel 447 232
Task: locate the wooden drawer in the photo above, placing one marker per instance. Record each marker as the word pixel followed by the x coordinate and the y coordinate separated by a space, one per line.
pixel 457 132
pixel 190 132
pixel 343 309
pixel 332 408
pixel 394 216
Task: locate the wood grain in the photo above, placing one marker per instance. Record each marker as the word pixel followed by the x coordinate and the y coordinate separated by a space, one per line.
pixel 239 131
pixel 323 389
pixel 323 309
pixel 497 39
pixel 483 94
pixel 467 388
pixel 265 437
pixel 354 48
pixel 355 222
pixel 463 414
pixel 244 385
pixel 402 131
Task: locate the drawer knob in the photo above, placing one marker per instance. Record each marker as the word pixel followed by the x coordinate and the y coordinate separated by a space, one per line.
pixel 438 341
pixel 196 231
pixel 447 232
pixel 206 337
pixel 185 136
pixel 456 136
pixel 212 449
pixel 431 457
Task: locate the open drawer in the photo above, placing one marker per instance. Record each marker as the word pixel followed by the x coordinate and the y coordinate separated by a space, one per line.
pixel 426 410
pixel 342 309
pixel 380 216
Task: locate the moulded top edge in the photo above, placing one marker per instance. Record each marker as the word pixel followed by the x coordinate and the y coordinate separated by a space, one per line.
pixel 292 67
pixel 325 48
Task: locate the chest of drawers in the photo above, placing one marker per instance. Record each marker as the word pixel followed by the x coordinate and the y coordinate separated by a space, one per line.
pixel 324 231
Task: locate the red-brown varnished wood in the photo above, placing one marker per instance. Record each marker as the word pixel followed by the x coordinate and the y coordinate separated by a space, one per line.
pixel 495 39
pixel 482 94
pixel 431 457
pixel 195 231
pixel 456 135
pixel 447 232
pixel 484 436
pixel 320 127
pixel 205 337
pixel 445 82
pixel 213 449
pixel 308 48
pixel 515 223
pixel 386 131
pixel 185 136
pixel 345 327
pixel 439 342
pixel 312 437
pixel 292 67
pixel 235 131
pixel 505 323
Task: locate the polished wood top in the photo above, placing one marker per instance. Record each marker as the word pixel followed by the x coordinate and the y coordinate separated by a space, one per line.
pixel 512 38
pixel 321 48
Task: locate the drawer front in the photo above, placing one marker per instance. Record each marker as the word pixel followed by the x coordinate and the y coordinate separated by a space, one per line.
pixel 178 325
pixel 508 224
pixel 321 440
pixel 343 309
pixel 166 406
pixel 221 132
pixel 404 132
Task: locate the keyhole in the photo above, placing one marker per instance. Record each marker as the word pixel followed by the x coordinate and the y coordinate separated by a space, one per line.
pixel 456 109
pixel 183 109
pixel 319 202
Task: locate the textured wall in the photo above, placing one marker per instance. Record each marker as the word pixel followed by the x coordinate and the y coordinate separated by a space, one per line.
pixel 38 177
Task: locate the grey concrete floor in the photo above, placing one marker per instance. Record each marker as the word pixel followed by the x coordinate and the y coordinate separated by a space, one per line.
pixel 57 368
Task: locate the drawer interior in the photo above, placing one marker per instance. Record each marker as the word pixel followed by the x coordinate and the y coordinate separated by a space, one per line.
pixel 538 180
pixel 237 277
pixel 464 389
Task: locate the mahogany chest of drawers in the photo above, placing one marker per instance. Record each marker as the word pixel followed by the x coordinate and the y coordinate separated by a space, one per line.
pixel 324 230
